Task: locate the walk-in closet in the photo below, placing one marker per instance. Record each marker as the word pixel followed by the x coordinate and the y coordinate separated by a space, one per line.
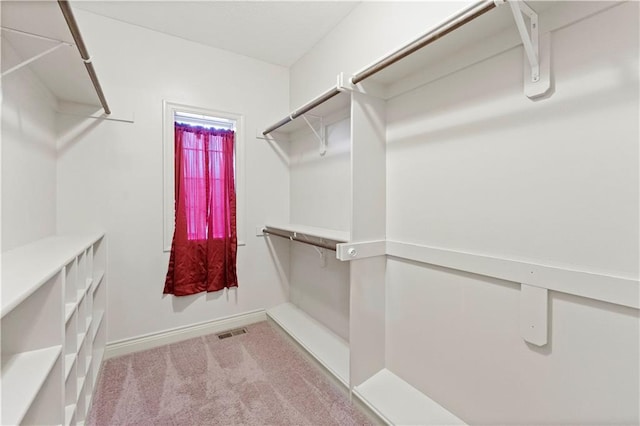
pixel 319 213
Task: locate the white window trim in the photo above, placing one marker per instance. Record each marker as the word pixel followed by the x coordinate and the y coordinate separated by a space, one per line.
pixel 169 109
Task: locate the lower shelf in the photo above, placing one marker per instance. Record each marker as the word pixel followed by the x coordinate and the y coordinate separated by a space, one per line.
pixel 23 375
pixel 328 348
pixel 399 403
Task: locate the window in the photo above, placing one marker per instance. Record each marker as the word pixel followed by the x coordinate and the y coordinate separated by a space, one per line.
pixel 197 152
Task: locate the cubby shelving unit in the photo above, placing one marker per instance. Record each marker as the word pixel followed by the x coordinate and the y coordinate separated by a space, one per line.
pixel 480 30
pixel 50 342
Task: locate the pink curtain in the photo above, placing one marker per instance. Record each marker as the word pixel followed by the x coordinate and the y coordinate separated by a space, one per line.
pixel 203 251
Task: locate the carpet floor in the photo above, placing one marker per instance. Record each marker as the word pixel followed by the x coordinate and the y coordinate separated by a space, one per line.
pixel 258 378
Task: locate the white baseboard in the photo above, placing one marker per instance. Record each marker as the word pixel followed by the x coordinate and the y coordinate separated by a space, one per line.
pixel 148 341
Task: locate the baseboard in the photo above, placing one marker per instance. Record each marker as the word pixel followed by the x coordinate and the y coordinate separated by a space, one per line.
pixel 148 341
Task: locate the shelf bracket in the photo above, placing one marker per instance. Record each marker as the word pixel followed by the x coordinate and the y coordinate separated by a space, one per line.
pixel 534 305
pixel 34 58
pixel 537 81
pixel 320 135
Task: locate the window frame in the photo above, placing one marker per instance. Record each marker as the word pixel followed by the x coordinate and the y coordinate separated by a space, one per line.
pixel 168 142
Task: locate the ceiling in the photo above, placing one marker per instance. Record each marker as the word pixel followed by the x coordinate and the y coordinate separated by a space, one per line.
pixel 278 32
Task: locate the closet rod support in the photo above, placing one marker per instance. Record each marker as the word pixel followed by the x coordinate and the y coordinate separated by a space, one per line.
pixel 33 58
pixel 529 38
pixel 320 136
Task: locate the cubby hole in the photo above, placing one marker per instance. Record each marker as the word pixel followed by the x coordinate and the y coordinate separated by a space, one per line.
pixel 99 258
pixel 71 394
pixel 46 407
pixel 82 271
pixel 70 282
pixel 70 344
pixel 99 342
pixel 35 323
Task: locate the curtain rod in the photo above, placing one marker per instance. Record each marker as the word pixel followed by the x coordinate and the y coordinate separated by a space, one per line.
pixel 454 22
pixel 324 245
pixel 82 48
pixel 303 109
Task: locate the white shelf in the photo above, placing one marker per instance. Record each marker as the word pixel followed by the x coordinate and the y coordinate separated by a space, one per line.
pixel 399 403
pixel 69 360
pixel 81 337
pixel 69 411
pixel 98 280
pixel 487 35
pixel 80 386
pixel 26 268
pixel 62 71
pixel 325 346
pixel 312 231
pixel 98 323
pixel 81 294
pixel 23 375
pixel 68 311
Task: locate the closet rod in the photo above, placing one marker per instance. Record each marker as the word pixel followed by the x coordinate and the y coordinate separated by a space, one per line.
pixel 304 109
pixel 84 53
pixel 454 22
pixel 295 238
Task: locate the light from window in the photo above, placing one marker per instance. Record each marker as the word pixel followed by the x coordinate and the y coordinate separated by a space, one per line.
pixel 205 165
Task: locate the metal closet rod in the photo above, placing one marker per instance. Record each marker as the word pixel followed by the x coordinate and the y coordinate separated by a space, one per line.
pixel 456 21
pixel 321 244
pixel 304 109
pixel 82 48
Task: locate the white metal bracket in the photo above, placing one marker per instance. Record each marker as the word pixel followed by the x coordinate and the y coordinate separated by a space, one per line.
pixel 320 135
pixel 537 76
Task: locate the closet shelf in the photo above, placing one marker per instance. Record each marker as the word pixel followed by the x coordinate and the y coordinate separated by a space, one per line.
pixel 397 402
pixel 23 375
pixel 26 268
pixel 31 28
pixel 312 231
pixel 455 43
pixel 98 323
pixel 330 350
pixel 69 360
pixel 329 102
pixel 69 411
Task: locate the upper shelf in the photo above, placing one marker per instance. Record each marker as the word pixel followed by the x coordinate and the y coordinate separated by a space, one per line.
pixel 26 268
pixel 63 71
pixel 452 45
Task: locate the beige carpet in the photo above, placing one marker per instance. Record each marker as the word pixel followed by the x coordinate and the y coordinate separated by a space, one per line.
pixel 258 378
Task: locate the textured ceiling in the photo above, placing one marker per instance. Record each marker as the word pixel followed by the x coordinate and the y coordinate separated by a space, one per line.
pixel 278 32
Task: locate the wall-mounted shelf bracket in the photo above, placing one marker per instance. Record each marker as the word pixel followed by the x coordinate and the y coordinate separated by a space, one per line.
pixel 360 250
pixel 537 80
pixel 534 315
pixel 319 134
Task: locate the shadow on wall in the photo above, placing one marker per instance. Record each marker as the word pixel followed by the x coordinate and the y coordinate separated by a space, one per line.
pixel 75 123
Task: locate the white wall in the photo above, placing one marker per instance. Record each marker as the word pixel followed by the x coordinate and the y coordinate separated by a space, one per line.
pixel 110 173
pixel 369 32
pixel 553 182
pixel 320 196
pixel 473 165
pixel 28 156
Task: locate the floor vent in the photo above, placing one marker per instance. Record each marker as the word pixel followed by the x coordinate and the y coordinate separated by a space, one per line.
pixel 232 333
